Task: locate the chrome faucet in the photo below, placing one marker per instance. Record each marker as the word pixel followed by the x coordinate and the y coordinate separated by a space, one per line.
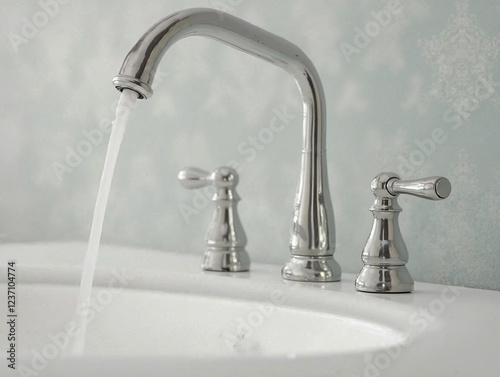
pixel 312 235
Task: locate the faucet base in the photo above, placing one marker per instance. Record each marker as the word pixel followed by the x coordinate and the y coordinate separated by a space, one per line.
pixel 236 260
pixel 384 279
pixel 311 269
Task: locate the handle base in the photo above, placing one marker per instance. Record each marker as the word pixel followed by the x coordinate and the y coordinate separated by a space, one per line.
pixel 312 269
pixel 235 260
pixel 384 279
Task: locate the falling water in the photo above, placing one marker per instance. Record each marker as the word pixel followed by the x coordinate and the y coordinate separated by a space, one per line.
pixel 125 105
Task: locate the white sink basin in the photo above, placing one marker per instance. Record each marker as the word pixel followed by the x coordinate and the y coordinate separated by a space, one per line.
pixel 156 313
pixel 148 322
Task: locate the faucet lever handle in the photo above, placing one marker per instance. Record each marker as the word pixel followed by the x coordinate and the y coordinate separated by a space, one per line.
pixel 194 178
pixel 221 178
pixel 433 188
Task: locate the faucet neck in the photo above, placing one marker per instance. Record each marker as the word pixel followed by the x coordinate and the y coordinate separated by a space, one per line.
pixel 140 65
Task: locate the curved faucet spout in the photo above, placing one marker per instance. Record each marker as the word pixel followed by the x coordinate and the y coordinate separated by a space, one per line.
pixel 312 238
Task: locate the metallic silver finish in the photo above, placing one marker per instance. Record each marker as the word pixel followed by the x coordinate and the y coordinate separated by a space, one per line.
pixel 434 188
pixel 315 269
pixel 312 233
pixel 385 254
pixel 225 239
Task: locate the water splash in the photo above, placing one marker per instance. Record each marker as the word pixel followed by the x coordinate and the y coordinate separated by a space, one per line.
pixel 125 105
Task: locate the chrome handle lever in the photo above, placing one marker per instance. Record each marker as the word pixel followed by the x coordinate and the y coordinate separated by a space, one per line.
pixel 194 178
pixel 225 240
pixel 385 254
pixel 433 188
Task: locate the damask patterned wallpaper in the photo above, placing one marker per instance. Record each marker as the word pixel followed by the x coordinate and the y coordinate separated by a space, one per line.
pixel 411 87
pixel 462 56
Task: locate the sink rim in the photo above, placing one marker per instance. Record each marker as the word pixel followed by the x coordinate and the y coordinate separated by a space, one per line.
pixel 299 296
pixel 368 327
